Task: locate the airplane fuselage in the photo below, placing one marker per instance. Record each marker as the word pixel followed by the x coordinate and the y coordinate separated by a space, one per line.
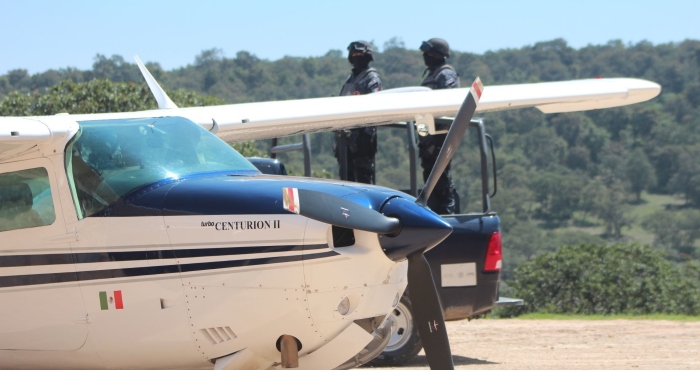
pixel 188 288
pixel 182 271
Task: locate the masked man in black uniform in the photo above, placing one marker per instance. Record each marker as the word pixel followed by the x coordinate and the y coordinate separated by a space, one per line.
pixel 360 143
pixel 440 76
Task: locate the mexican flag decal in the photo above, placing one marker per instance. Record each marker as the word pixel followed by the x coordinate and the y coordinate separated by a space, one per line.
pixel 116 299
pixel 290 199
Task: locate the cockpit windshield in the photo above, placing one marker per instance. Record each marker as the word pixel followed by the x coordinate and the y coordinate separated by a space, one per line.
pixel 108 159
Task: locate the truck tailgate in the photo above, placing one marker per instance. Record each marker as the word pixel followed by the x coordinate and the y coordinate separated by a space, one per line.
pixel 458 263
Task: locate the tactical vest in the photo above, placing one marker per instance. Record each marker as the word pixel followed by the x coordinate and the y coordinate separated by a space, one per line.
pixel 356 83
pixel 432 80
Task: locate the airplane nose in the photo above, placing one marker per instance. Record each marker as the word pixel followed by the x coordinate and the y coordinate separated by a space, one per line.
pixel 421 229
pixel 406 231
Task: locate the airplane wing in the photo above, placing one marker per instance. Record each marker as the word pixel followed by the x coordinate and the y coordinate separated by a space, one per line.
pixel 276 119
pixel 253 121
pixel 18 134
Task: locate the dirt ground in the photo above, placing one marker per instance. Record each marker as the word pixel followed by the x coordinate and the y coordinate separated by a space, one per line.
pixel 571 344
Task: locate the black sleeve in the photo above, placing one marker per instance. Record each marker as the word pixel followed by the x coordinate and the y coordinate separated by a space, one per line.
pixel 448 79
pixel 372 83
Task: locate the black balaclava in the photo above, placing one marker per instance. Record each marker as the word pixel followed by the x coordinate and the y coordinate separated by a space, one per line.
pixel 359 62
pixel 433 60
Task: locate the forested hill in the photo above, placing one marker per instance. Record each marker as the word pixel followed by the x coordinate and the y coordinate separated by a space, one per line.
pixel 586 172
pixel 248 78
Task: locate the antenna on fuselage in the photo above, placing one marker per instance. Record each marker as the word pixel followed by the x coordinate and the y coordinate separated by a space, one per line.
pixel 162 98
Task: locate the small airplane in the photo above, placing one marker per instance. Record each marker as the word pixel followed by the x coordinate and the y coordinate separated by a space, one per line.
pixel 142 240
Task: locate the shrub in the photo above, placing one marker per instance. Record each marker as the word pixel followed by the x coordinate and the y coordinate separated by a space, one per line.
pixel 606 279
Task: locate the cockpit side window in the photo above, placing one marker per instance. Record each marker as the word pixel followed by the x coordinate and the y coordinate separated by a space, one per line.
pixel 25 199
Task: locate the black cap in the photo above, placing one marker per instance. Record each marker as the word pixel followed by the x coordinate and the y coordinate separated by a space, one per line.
pixel 436 46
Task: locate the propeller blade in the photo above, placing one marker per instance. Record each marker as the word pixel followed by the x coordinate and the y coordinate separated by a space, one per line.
pixel 337 211
pixel 425 300
pixel 427 314
pixel 454 138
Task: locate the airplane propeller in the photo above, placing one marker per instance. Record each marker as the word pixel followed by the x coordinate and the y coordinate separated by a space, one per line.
pixel 424 296
pixel 407 230
pixel 337 211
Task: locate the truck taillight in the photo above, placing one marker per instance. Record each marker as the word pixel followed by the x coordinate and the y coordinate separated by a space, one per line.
pixel 492 262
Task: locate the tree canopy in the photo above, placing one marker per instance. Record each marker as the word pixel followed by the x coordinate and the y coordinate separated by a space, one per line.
pixel 599 279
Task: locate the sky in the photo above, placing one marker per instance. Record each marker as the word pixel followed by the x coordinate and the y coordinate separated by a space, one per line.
pixel 38 35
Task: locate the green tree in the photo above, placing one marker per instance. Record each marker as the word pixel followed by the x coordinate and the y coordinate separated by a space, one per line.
pixel 572 127
pixel 601 279
pixel 115 69
pixel 578 158
pixel 613 120
pixel 17 76
pixel 643 120
pixel 248 149
pixel 687 180
pixel 208 62
pixel 524 242
pixel 544 147
pixel 675 232
pixel 612 163
pixel 665 159
pixel 558 194
pixel 639 171
pixel 514 200
pixel 614 211
pixel 96 96
pixel 590 198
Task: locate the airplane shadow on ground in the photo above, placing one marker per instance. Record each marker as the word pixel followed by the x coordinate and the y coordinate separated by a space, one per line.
pixel 458 360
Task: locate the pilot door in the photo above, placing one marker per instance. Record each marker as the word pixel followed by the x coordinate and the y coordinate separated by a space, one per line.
pixel 41 307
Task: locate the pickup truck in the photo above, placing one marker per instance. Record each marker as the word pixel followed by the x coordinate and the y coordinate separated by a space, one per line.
pixel 465 266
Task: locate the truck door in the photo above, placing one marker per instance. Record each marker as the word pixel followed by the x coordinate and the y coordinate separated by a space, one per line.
pixel 41 307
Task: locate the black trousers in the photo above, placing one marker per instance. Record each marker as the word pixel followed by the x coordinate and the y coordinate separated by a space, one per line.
pixel 442 200
pixel 360 151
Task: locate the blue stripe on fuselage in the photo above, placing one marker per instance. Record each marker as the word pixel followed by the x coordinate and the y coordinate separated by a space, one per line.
pixel 97 257
pixel 64 277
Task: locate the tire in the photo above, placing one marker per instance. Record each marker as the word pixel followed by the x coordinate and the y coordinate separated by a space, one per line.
pixel 405 343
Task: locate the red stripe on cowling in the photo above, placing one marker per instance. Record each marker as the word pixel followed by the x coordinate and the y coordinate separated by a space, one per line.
pixel 118 303
pixel 291 199
pixel 475 85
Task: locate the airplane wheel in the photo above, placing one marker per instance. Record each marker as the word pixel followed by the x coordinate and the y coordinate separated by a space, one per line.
pixel 405 343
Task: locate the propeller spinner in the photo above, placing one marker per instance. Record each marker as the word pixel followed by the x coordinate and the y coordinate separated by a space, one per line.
pixel 409 230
